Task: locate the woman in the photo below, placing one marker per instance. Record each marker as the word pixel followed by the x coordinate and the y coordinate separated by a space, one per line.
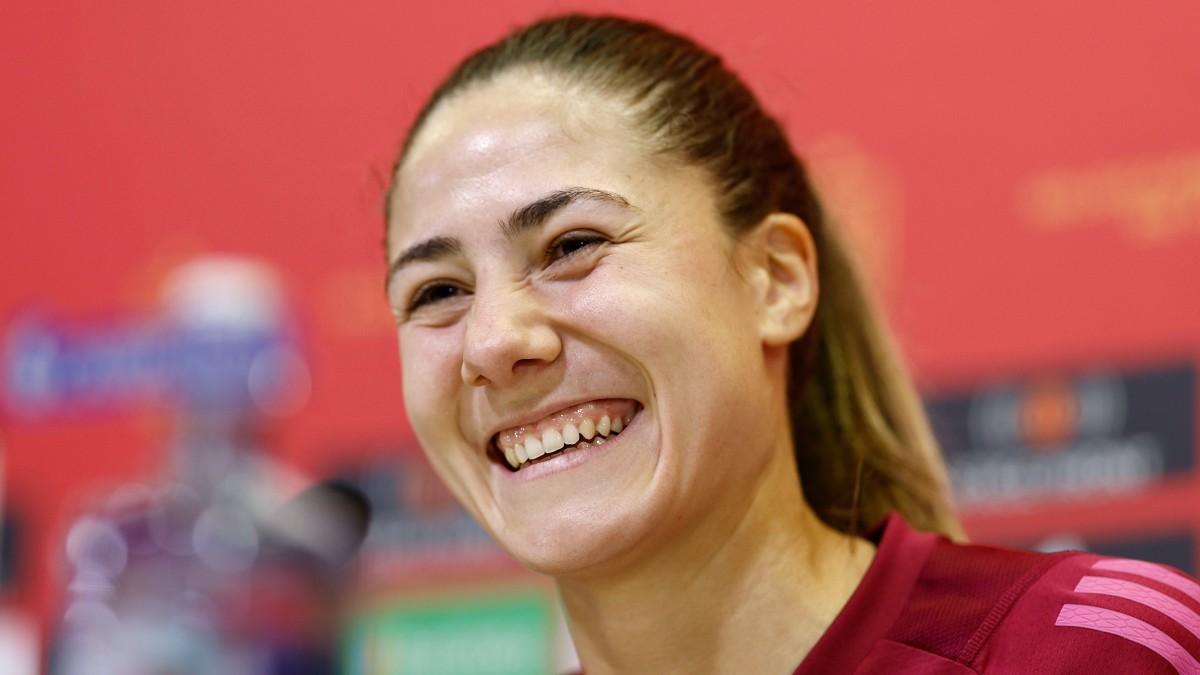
pixel 640 357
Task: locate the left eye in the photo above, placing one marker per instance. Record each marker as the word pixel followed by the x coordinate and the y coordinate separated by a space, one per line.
pixel 568 245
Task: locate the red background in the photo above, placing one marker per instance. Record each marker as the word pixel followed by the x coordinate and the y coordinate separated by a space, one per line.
pixel 139 134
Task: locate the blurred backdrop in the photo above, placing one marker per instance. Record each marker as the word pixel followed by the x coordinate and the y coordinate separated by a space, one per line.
pixel 193 328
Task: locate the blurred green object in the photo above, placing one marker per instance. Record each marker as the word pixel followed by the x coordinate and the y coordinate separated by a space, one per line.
pixel 497 633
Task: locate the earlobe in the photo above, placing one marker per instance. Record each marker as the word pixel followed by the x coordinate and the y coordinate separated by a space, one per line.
pixel 789 297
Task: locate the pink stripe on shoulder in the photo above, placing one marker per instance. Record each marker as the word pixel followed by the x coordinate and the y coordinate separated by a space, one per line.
pixel 1151 571
pixel 1132 629
pixel 1145 596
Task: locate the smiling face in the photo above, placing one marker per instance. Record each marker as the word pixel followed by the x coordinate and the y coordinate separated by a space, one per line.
pixel 550 278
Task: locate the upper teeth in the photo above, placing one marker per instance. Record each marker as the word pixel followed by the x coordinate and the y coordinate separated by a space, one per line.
pixel 533 448
pixel 570 435
pixel 553 440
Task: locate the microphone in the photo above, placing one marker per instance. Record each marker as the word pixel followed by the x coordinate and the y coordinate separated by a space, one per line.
pixel 328 521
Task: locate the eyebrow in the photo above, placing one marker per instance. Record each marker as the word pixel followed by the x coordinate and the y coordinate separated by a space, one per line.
pixel 528 217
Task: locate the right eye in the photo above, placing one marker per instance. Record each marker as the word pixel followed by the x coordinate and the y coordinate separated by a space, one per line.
pixel 431 294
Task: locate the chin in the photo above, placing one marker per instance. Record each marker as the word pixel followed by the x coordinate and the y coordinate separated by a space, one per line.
pixel 570 547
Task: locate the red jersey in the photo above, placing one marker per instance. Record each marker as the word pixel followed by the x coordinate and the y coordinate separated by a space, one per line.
pixel 927 605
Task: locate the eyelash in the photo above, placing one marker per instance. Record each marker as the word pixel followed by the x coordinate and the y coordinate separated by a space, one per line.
pixel 584 240
pixel 426 294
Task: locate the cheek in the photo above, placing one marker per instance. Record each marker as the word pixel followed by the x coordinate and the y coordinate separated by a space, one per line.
pixel 683 316
pixel 430 362
pixel 620 309
pixel 665 298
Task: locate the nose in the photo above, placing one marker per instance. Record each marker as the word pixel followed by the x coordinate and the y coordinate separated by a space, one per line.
pixel 506 335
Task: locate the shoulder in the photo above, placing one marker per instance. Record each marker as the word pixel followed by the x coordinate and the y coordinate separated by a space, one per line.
pixel 1109 613
pixel 998 610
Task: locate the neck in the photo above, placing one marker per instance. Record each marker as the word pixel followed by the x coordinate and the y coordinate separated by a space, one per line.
pixel 751 593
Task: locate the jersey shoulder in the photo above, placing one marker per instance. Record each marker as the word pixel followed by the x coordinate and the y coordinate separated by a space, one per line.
pixel 961 595
pixel 998 610
pixel 1106 614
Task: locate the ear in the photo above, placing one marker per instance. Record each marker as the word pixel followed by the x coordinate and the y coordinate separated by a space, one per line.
pixel 783 272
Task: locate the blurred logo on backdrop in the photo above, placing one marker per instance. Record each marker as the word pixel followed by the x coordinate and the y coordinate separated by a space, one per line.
pixel 1153 199
pixel 1064 436
pixel 222 340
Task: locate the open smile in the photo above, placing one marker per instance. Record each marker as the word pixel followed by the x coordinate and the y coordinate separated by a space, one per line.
pixel 576 427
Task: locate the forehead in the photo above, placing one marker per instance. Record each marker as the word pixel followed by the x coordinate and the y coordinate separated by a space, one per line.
pixel 490 149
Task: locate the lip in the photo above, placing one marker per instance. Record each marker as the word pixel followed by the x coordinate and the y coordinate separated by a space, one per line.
pixel 546 411
pixel 568 460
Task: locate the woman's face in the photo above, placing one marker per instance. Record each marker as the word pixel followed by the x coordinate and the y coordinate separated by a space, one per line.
pixel 554 282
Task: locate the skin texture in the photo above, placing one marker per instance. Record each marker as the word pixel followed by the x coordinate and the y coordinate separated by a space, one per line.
pixel 685 544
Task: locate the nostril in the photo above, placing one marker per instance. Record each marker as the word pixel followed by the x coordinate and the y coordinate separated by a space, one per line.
pixel 525 364
pixel 470 376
